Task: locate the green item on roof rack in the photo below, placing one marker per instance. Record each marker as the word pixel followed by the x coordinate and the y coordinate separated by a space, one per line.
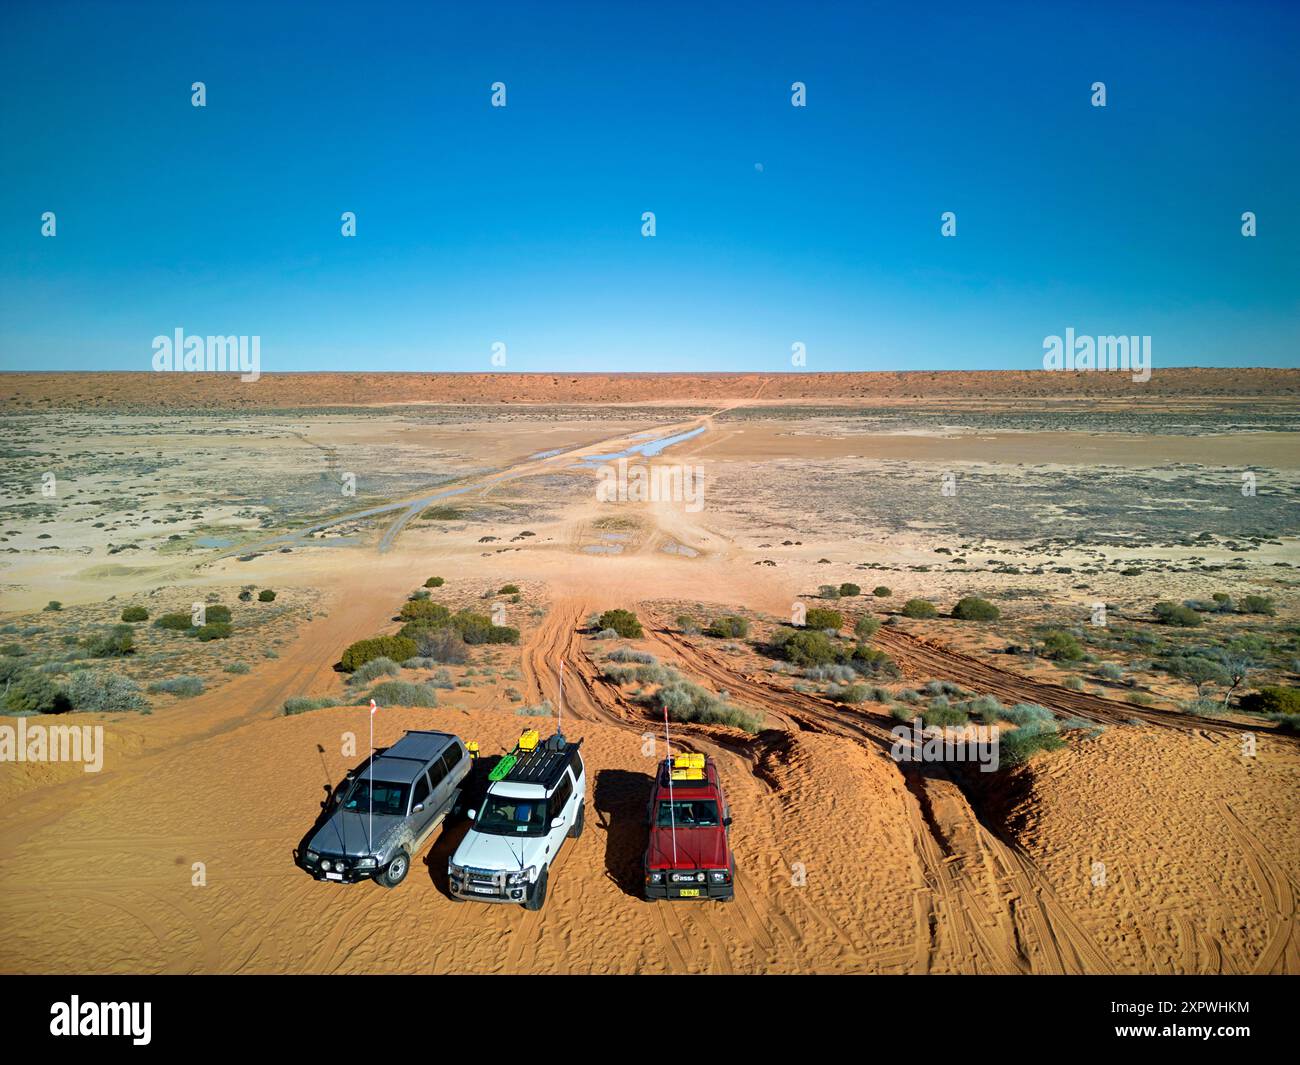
pixel 503 767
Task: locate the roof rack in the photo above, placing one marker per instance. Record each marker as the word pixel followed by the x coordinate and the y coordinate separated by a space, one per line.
pixel 534 761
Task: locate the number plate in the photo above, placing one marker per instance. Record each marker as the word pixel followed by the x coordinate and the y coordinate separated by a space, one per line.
pixel 485 890
pixel 690 893
pixel 333 876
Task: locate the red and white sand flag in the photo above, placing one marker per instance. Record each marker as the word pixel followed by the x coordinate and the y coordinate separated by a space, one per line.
pixel 668 765
pixel 370 828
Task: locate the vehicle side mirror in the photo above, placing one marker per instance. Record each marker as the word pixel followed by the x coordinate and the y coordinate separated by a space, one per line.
pixel 417 807
pixel 727 821
pixel 473 815
pixel 556 822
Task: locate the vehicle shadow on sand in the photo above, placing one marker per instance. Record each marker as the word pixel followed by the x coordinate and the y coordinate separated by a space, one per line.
pixel 622 800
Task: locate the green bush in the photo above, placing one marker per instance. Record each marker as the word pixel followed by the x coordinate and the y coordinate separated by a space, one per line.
pixel 35 693
pixel 434 582
pixel 821 618
pixel 1025 713
pixel 135 613
pixel 1061 647
pixel 213 630
pixel 919 608
pixel 91 690
pixel 266 596
pixel 425 610
pixel 865 627
pixel 728 626
pixel 828 591
pixel 114 642
pixel 849 693
pixel 972 608
pixel 805 647
pixel 849 590
pixel 442 645
pixel 1018 745
pixel 478 628
pixel 1272 699
pixel 181 687
pixel 508 589
pixel 881 591
pixel 685 701
pixel 403 693
pixel 1174 614
pixel 873 662
pixel 623 622
pixel 941 714
pixel 373 670
pixel 236 667
pixel 300 704
pixel 398 648
pixel 1258 604
pixel 53 604
pixel 174 622
pixel 216 612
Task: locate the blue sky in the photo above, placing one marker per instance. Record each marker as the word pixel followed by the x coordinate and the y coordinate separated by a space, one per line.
pixel 523 224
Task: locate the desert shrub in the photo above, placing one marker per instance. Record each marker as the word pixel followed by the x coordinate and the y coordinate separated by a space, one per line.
pixel 35 693
pixel 478 628
pixel 53 604
pixel 213 630
pixel 135 613
pixel 627 654
pixel 434 582
pixel 425 610
pixel 1075 684
pixel 245 595
pixel 236 667
pixel 1110 671
pixel 114 642
pixel 881 591
pixel 300 704
pixel 941 713
pixel 872 662
pixel 942 687
pixel 1199 670
pixel 839 674
pixel 11 668
pixel 1272 699
pixel 902 712
pixel 373 670
pixel 729 625
pixel 986 707
pixel 919 608
pixel 907 695
pixel 92 690
pixel 828 591
pixel 687 624
pixel 173 622
pixel 266 596
pixel 1026 713
pixel 1019 744
pixel 542 709
pixel 1139 698
pixel 685 701
pixel 1257 604
pixel 623 622
pixel 606 634
pixel 403 693
pixel 973 608
pixel 184 687
pixel 398 648
pixel 1175 614
pixel 442 645
pixel 849 693
pixel 508 589
pixel 216 612
pixel 418 595
pixel 821 618
pixel 1061 647
pixel 13 650
pixel 848 590
pixel 805 647
pixel 865 627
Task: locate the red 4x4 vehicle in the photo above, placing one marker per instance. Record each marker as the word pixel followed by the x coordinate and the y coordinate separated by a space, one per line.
pixel 689 855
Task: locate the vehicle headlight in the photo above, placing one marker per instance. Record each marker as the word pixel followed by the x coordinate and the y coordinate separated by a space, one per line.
pixel 719 876
pixel 312 856
pixel 366 863
pixel 521 876
pixel 656 877
pixel 453 870
pixel 325 865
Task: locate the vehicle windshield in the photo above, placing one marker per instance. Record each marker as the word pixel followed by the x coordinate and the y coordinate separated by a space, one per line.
pixel 390 798
pixel 502 816
pixel 687 813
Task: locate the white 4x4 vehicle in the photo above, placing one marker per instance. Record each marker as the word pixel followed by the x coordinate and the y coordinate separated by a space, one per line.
pixel 534 801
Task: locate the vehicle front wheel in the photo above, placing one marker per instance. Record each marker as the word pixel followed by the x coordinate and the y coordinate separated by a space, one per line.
pixel 578 821
pixel 395 871
pixel 537 894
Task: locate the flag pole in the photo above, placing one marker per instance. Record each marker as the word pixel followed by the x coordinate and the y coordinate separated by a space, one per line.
pixel 370 829
pixel 560 726
pixel 668 764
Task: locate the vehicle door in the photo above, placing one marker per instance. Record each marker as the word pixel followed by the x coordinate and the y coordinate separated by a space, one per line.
pixel 448 775
pixel 560 809
pixel 422 807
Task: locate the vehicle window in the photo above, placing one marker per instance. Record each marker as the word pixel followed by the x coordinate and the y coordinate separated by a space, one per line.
pixel 577 765
pixel 421 790
pixel 503 816
pixel 451 759
pixel 389 798
pixel 437 771
pixel 560 797
pixel 687 813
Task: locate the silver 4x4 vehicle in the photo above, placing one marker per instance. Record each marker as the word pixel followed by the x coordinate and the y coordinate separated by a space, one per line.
pixel 534 801
pixel 383 814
